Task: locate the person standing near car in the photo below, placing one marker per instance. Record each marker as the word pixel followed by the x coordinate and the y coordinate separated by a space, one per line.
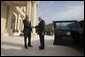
pixel 41 32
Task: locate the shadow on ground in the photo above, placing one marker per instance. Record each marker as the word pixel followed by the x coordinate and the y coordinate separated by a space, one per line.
pixel 22 51
pixel 16 49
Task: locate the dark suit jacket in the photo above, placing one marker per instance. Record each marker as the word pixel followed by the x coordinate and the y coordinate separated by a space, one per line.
pixel 27 27
pixel 41 27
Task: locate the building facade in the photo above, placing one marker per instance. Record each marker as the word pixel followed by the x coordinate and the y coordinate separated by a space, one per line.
pixel 12 15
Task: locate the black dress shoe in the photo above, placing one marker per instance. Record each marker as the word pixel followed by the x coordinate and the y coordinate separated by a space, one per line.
pixel 26 47
pixel 41 48
pixel 30 45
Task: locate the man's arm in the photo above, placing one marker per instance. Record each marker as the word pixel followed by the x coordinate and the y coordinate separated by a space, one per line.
pixel 35 26
pixel 43 26
pixel 30 27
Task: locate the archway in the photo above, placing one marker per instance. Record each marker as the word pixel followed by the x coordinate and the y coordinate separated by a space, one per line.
pixel 12 24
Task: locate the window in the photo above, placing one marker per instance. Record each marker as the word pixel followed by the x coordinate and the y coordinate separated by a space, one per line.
pixel 66 25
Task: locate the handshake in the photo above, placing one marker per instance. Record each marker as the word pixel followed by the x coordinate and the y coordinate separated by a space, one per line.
pixel 33 26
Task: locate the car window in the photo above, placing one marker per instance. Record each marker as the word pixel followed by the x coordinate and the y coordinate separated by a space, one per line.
pixel 66 25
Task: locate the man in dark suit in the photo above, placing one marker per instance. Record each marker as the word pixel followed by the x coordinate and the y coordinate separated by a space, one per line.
pixel 27 32
pixel 41 32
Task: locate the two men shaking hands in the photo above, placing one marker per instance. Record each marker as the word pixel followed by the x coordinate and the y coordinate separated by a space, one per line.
pixel 27 32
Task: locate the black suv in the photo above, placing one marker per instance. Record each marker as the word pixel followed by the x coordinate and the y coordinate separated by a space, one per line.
pixel 68 33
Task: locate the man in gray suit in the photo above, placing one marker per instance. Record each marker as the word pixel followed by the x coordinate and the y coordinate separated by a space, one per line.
pixel 27 32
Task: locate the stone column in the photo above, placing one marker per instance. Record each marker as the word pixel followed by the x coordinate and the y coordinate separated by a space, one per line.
pixel 22 23
pixel 28 9
pixel 33 15
pixel 9 22
pixel 16 22
pixel 19 23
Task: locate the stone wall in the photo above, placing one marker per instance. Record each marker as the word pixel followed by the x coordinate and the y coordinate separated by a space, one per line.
pixel 3 18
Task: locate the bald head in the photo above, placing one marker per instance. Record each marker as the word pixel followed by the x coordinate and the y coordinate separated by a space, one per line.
pixel 40 18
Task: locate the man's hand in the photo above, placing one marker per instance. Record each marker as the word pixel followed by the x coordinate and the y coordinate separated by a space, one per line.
pixel 43 33
pixel 33 27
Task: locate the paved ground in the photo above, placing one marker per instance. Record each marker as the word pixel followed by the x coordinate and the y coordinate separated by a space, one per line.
pixel 13 46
